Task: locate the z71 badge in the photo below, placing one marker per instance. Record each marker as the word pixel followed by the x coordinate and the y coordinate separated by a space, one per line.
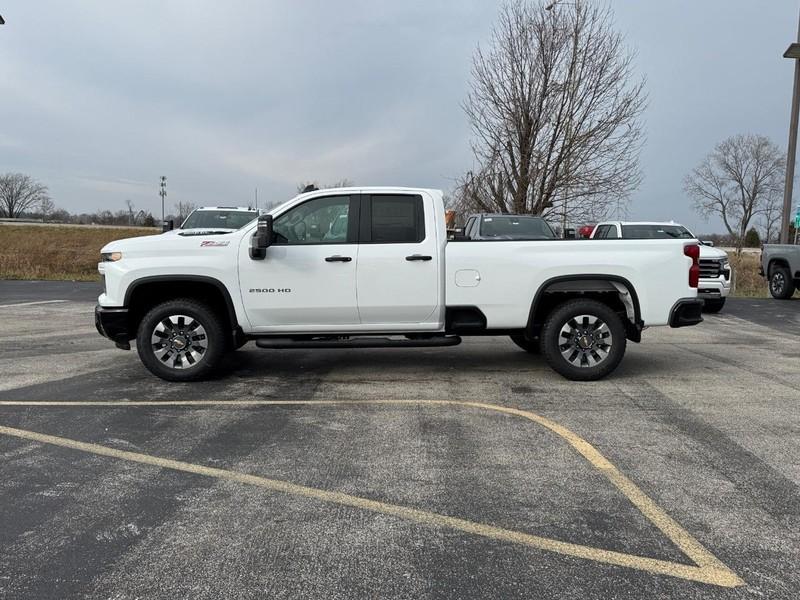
pixel 207 243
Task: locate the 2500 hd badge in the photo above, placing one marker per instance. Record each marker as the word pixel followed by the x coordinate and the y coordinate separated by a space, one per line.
pixel 270 291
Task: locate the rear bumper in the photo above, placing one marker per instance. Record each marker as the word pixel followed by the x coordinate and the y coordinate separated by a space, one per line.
pixel 113 324
pixel 685 312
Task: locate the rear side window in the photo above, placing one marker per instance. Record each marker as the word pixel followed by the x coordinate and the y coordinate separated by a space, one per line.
pixel 395 219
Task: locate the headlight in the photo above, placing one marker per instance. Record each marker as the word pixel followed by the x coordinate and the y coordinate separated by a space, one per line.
pixel 110 256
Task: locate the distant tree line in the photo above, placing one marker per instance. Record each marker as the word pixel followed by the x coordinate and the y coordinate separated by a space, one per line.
pixel 23 197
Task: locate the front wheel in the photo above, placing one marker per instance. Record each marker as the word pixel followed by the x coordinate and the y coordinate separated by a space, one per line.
pixel 713 306
pixel 583 340
pixel 181 340
pixel 781 285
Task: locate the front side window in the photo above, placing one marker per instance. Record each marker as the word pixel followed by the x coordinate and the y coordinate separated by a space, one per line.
pixel 396 219
pixel 319 221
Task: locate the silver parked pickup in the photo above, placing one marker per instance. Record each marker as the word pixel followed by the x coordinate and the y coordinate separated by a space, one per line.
pixel 780 264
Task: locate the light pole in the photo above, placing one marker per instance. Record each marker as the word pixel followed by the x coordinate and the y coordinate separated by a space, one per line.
pixel 791 154
pixel 163 194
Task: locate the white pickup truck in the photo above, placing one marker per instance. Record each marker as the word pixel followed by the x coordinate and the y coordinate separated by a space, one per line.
pixel 716 275
pixel 372 267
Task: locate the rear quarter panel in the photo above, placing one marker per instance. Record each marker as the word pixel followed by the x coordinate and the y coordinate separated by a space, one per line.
pixel 512 272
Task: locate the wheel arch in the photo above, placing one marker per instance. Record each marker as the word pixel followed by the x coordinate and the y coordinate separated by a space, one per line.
pixel 602 287
pixel 777 262
pixel 147 292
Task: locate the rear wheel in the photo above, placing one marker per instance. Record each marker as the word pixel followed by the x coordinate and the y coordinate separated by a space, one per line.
pixel 181 340
pixel 713 306
pixel 531 346
pixel 583 340
pixel 781 285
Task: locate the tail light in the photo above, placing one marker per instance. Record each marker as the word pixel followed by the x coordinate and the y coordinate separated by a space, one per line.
pixel 693 252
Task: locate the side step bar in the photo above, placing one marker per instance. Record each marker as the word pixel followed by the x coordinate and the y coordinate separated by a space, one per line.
pixel 276 343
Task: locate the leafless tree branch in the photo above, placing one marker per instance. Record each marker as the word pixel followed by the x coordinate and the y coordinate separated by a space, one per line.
pixel 19 192
pixel 555 113
pixel 738 181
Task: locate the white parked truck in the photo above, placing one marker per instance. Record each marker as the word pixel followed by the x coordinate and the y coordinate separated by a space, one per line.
pixel 213 219
pixel 372 267
pixel 716 275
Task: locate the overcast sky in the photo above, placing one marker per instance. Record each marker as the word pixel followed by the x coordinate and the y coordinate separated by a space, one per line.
pixel 98 99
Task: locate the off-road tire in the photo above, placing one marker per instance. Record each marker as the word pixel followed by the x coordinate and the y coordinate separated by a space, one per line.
pixel 781 285
pixel 553 344
pixel 215 337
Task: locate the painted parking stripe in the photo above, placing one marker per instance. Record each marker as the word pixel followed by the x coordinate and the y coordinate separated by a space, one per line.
pixel 708 568
pixel 32 303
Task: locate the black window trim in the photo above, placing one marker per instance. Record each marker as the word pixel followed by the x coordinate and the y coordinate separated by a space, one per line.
pixel 365 230
pixel 353 219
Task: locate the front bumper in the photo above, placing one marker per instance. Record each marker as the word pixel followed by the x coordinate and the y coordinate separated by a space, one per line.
pixel 113 324
pixel 714 288
pixel 685 312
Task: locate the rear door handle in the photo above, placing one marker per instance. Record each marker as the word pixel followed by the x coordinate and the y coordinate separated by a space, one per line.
pixel 419 257
pixel 337 258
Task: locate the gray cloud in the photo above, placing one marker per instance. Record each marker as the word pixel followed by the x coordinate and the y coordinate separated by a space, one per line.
pixel 98 99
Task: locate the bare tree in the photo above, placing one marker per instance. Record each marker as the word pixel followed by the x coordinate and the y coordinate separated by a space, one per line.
pixel 182 210
pixel 555 113
pixel 46 207
pixel 737 182
pixel 131 211
pixel 19 192
pixel 771 218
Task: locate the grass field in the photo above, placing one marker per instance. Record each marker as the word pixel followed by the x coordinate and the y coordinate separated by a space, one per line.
pixel 746 278
pixel 57 252
pixel 63 252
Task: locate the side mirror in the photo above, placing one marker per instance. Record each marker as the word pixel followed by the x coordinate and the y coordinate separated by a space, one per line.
pixel 707 243
pixel 262 238
pixel 167 226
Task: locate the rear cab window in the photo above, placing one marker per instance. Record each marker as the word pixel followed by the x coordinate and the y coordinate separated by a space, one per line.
pixel 656 232
pixel 516 227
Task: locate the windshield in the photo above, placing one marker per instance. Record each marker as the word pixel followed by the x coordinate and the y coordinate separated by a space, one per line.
pixel 516 228
pixel 213 219
pixel 656 232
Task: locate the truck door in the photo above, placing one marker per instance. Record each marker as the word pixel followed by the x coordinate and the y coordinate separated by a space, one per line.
pixel 398 260
pixel 308 278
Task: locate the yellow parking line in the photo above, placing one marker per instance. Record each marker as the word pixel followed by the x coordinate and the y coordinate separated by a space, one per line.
pixel 708 570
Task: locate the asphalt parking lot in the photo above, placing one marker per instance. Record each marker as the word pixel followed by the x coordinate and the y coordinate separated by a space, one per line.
pixel 464 472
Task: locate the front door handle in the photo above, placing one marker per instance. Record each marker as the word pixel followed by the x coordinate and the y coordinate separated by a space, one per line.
pixel 419 257
pixel 337 258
